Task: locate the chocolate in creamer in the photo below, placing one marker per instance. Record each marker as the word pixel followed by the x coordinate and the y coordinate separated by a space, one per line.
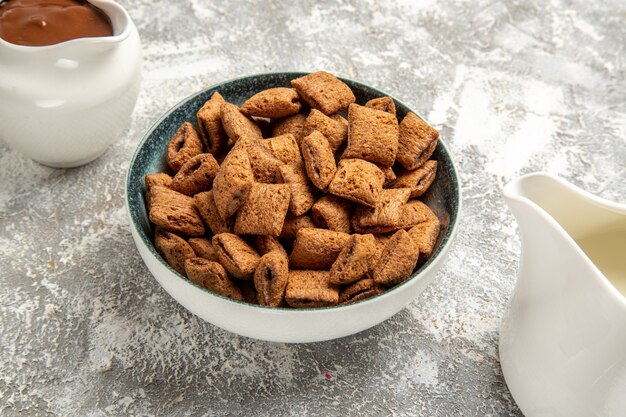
pixel 47 22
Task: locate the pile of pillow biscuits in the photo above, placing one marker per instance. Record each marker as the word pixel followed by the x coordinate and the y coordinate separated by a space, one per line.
pixel 284 202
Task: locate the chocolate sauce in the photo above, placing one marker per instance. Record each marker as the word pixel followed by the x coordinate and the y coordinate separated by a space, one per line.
pixel 46 22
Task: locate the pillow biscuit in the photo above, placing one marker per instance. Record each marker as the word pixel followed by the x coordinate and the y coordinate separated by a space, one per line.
pixel 334 131
pixel 302 194
pixel 205 203
pixel 310 289
pixel 385 104
pixel 418 180
pixel 292 124
pixel 203 248
pixel 174 212
pixel 266 244
pixel 388 211
pixel 417 142
pixel 360 290
pixel 196 175
pixel 248 291
pixel 237 125
pixel 173 249
pixel 373 135
pixel 415 212
pixel 272 103
pixel 316 248
pixel 271 277
pixel 210 124
pixel 184 145
pixel 354 260
pixel 152 180
pixel 213 277
pixel 319 160
pixel 264 211
pixel 285 148
pixel 264 164
pixel 324 92
pixel 331 212
pixel 239 258
pixel 359 181
pixel 397 260
pixel 293 224
pixel 233 182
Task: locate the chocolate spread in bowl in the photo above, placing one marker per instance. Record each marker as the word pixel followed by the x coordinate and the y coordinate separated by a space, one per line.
pixel 47 22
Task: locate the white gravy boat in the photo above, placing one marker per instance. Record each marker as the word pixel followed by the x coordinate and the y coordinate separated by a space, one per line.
pixel 563 338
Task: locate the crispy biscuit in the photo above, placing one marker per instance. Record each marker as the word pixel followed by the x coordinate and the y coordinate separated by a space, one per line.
pixel 385 104
pixel 173 249
pixel 239 258
pixel 319 160
pixel 174 212
pixel 292 124
pixel 210 124
pixel 397 260
pixel 293 224
pixel 184 145
pixel 205 204
pixel 285 148
pixel 302 194
pixel 359 181
pixel 196 175
pixel 316 248
pixel 309 289
pixel 334 131
pixel 354 260
pixel 324 92
pixel 332 212
pixel 418 180
pixel 264 164
pixel 233 181
pixel 152 180
pixel 266 244
pixel 373 135
pixel 360 290
pixel 237 125
pixel 264 211
pixel 388 211
pixel 271 278
pixel 416 143
pixel 203 248
pixel 213 277
pixel 273 103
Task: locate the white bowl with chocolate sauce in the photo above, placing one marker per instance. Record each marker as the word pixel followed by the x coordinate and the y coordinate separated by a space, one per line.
pixel 71 72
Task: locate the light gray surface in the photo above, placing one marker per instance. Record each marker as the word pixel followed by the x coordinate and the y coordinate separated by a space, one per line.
pixel 513 87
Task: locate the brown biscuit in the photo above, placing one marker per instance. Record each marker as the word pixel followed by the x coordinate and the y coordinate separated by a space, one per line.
pixel 359 181
pixel 415 212
pixel 248 291
pixel 397 260
pixel 213 277
pixel 360 290
pixel 264 211
pixel 302 194
pixel 239 258
pixel 319 160
pixel 418 180
pixel 271 278
pixel 205 203
pixel 196 175
pixel 184 145
pixel 266 244
pixel 203 248
pixel 292 124
pixel 265 125
pixel 331 212
pixel 324 92
pixel 417 142
pixel 285 148
pixel 388 211
pixel 390 175
pixel 237 125
pixel 385 104
pixel 334 131
pixel 309 289
pixel 354 260
pixel 174 212
pixel 339 118
pixel 373 135
pixel 293 224
pixel 173 249
pixel 316 248
pixel 425 236
pixel 264 164
pixel 152 180
pixel 273 103
pixel 233 181
pixel 210 124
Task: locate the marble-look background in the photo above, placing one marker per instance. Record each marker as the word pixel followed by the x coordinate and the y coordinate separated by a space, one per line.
pixel 514 87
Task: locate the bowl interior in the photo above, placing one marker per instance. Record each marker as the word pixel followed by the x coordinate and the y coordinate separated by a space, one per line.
pixel 442 197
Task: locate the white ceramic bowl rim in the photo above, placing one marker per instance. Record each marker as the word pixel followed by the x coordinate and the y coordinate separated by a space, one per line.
pixel 445 242
pixel 112 9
